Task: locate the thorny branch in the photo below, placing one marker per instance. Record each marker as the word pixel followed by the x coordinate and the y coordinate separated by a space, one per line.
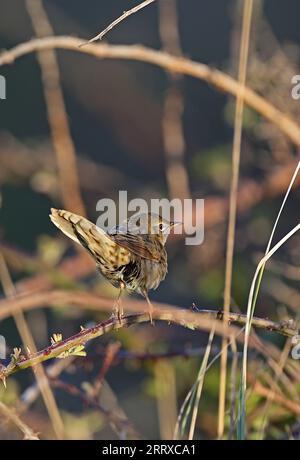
pixel 74 345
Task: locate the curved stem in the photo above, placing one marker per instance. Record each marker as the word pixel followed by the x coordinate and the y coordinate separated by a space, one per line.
pixel 215 77
pixel 203 319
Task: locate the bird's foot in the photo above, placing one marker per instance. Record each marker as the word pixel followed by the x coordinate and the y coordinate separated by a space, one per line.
pixel 220 314
pixel 151 317
pixel 117 315
pixel 120 316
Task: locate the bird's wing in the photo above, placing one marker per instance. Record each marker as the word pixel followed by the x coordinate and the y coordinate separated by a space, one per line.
pixel 84 232
pixel 141 245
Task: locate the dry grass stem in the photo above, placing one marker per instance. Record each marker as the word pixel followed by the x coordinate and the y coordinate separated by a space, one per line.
pixel 172 123
pixel 236 152
pixel 57 116
pixel 166 397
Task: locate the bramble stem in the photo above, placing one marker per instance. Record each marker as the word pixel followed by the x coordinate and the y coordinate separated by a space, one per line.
pixel 202 319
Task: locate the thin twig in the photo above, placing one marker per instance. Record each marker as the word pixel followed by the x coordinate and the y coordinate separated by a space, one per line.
pixel 110 354
pixel 32 392
pixel 11 415
pixel 117 419
pixel 290 405
pixel 119 423
pixel 124 355
pixel 117 21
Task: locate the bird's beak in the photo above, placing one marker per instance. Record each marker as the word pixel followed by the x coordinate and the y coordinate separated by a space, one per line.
pixel 175 224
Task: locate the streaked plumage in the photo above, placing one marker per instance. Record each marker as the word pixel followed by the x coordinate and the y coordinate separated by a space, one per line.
pixel 129 259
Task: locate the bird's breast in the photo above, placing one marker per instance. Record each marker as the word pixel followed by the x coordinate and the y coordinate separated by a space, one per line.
pixel 138 274
pixel 153 273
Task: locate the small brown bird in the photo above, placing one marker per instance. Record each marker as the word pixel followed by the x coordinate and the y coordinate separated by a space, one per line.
pixel 131 256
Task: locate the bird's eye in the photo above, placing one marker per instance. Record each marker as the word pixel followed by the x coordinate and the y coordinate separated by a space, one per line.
pixel 161 227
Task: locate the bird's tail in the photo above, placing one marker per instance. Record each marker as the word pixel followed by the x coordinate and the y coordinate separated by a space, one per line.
pixel 80 230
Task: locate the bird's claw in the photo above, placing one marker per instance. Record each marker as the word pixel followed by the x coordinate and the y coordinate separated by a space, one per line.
pixel 117 315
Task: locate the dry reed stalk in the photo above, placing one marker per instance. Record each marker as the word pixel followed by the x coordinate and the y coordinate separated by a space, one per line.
pixel 166 398
pixel 58 120
pixel 172 123
pixel 233 389
pixel 236 152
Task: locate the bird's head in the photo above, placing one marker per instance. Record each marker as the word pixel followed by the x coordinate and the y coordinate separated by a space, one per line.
pixel 151 224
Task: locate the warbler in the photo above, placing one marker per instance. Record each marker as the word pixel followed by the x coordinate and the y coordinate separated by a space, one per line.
pixel 132 255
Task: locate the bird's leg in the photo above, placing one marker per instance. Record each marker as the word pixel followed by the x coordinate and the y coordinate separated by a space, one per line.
pixel 150 307
pixel 118 308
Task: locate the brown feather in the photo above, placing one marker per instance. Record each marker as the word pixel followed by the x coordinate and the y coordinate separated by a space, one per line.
pixel 145 246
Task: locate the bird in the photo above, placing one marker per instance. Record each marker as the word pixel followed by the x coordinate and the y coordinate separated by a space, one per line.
pixel 131 255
